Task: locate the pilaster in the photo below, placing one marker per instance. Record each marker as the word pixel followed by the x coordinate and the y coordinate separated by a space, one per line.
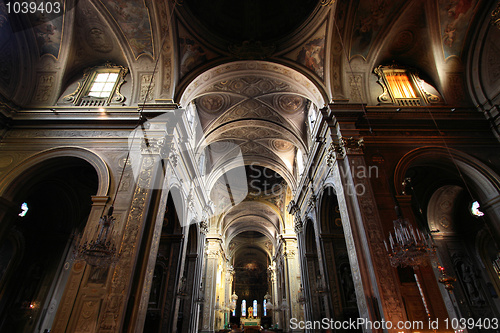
pixel 213 252
pixel 74 295
pixel 376 283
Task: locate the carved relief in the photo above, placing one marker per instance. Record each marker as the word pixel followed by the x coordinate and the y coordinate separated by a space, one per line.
pixel 355 82
pixel 251 86
pixel 390 298
pixel 146 88
pixel 290 103
pixel 44 88
pixel 88 317
pixel 281 145
pixel 123 269
pixel 98 40
pixel 212 103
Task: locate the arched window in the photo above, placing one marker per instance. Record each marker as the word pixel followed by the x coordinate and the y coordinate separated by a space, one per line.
pixel 243 308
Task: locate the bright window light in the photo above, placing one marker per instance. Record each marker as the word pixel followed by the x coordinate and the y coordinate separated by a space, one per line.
pixel 24 208
pixel 400 85
pixel 474 209
pixel 103 84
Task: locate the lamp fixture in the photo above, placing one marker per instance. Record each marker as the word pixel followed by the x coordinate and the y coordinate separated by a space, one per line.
pixel 100 251
pixel 408 247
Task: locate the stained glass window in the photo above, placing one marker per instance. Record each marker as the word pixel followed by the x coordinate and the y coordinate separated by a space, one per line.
pixel 243 308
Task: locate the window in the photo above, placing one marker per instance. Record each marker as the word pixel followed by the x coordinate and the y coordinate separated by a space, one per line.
pixel 100 86
pixel 24 209
pixel 300 162
pixel 103 85
pixel 474 209
pixel 400 85
pixel 312 117
pixel 403 87
pixel 243 308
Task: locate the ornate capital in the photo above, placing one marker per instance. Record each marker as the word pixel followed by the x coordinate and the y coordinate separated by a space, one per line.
pixel 299 226
pixel 153 146
pixel 204 227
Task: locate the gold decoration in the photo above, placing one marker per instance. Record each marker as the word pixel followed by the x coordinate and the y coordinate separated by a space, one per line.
pixel 495 16
pixel 325 3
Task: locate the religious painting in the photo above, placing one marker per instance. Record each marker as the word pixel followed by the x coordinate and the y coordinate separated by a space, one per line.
pixel 312 55
pixel 133 18
pixel 48 33
pixel 455 16
pixel 192 54
pixel 371 16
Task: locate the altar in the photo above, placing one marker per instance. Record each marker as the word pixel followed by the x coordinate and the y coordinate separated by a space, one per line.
pixel 250 321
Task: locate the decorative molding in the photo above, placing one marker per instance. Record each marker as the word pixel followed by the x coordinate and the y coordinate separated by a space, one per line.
pixel 423 97
pixel 79 96
pixel 495 16
pixel 249 50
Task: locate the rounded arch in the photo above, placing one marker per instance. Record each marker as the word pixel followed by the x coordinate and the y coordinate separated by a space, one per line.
pixel 484 181
pixel 329 210
pixel 299 83
pixel 13 178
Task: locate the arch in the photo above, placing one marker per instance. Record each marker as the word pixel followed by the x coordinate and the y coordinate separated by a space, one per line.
pixel 12 178
pixel 299 83
pixel 328 201
pixel 484 180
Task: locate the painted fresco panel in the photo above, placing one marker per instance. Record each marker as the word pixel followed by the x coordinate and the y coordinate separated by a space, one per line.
pixel 371 16
pixel 455 17
pixel 133 18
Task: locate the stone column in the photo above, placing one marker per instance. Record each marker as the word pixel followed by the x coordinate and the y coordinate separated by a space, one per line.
pixel 153 148
pixel 292 280
pixel 375 280
pixel 299 230
pixel 212 261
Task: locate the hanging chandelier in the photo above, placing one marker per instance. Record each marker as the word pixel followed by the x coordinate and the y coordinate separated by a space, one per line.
pixel 100 251
pixel 408 247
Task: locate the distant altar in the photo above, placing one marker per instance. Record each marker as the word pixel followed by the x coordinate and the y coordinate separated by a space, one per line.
pixel 250 321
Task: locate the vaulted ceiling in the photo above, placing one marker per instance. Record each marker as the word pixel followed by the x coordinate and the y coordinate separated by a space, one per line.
pixel 253 69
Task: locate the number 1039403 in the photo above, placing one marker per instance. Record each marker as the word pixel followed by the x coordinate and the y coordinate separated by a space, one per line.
pixel 25 7
pixel 471 323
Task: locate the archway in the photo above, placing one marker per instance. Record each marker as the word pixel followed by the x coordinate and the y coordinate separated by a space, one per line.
pixel 162 313
pixel 40 241
pixel 442 185
pixel 251 257
pixel 341 296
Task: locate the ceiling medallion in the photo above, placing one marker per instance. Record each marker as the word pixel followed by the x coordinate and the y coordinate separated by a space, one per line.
pixel 212 103
pixel 290 103
pixel 282 145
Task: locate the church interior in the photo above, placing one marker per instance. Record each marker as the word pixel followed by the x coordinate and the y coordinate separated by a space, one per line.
pixel 249 166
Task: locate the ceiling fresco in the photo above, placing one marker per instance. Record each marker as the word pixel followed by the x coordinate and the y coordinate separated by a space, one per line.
pixel 132 16
pixel 370 20
pixel 454 17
